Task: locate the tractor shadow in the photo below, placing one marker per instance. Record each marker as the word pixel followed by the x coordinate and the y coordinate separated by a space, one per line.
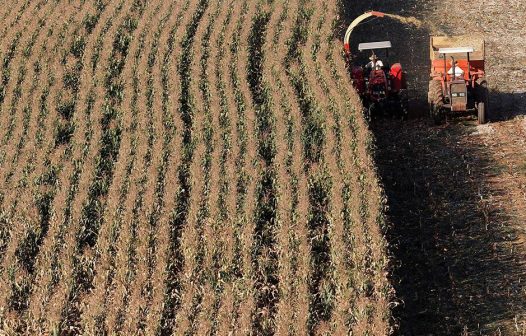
pixel 454 269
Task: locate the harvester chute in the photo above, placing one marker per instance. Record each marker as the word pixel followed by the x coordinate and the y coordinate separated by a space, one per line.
pixel 353 25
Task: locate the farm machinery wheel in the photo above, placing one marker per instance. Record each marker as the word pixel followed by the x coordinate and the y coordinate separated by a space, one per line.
pixel 483 101
pixel 435 99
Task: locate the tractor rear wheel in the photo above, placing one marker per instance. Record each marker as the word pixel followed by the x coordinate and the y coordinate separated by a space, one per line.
pixel 435 98
pixel 483 100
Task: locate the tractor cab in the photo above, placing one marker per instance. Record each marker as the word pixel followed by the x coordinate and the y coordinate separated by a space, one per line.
pixel 456 77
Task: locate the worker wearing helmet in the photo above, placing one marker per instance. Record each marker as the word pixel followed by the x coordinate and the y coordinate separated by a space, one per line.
pixel 375 63
pixel 456 70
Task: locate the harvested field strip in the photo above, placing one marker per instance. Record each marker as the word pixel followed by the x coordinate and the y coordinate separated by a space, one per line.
pixel 178 222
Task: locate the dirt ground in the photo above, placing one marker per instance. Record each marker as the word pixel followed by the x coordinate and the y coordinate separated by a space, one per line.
pixel 457 208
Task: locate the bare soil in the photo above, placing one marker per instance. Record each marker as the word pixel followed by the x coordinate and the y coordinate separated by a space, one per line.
pixel 457 225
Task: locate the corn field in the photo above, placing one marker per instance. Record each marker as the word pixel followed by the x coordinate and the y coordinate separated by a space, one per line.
pixel 185 167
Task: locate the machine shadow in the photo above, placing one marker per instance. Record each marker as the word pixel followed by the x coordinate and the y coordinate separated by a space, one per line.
pixel 453 272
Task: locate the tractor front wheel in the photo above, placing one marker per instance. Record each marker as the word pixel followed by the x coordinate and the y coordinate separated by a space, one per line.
pixel 436 102
pixel 483 100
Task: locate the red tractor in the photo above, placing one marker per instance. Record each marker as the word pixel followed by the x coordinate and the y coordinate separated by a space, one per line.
pixel 382 87
pixel 458 86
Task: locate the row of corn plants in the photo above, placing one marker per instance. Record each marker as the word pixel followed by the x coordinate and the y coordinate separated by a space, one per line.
pixel 206 221
pixel 91 217
pixel 25 40
pixel 159 65
pixel 22 270
pixel 241 184
pixel 321 286
pixel 180 213
pixel 137 268
pixel 67 113
pixel 221 271
pixel 264 249
pixel 166 177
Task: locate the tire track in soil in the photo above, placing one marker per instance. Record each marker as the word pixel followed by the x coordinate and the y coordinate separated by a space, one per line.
pixel 180 219
pixel 26 252
pixel 49 258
